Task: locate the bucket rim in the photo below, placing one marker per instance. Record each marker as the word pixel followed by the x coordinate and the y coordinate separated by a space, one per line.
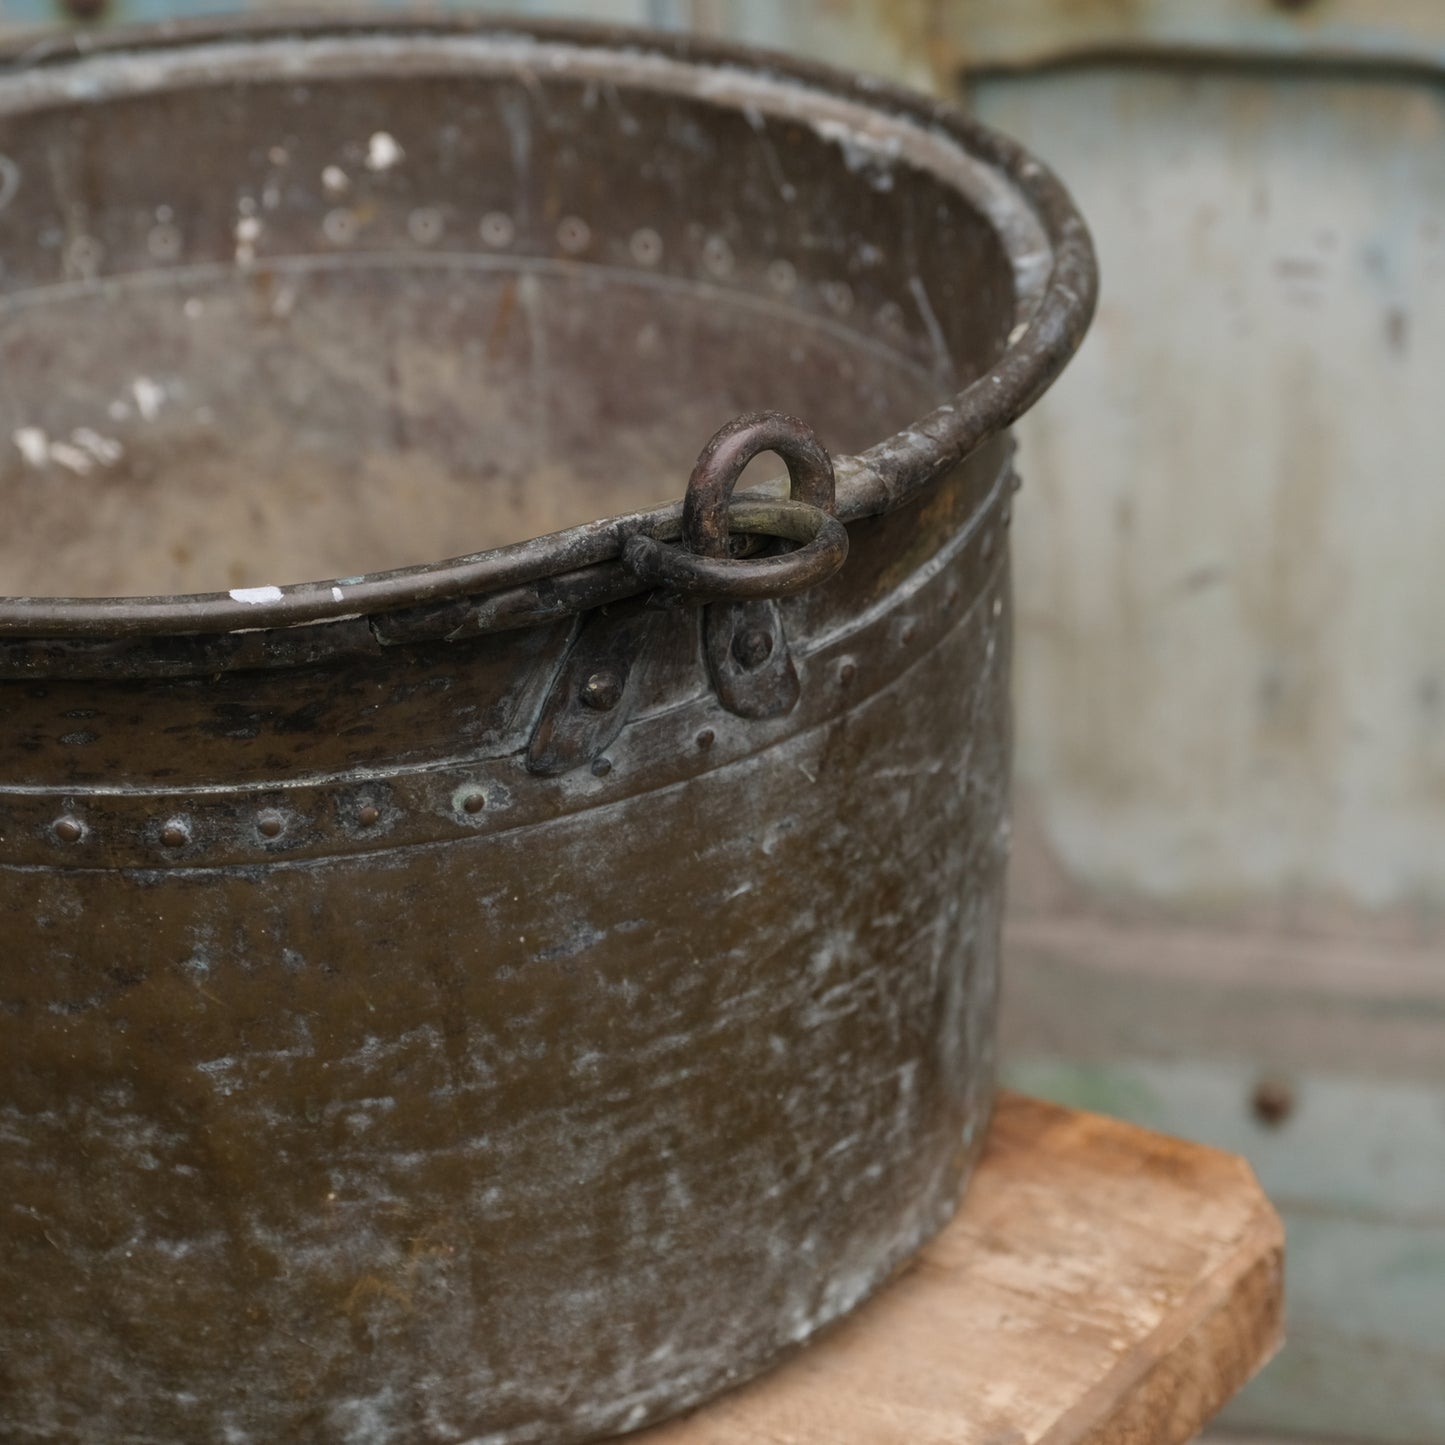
pixel 583 562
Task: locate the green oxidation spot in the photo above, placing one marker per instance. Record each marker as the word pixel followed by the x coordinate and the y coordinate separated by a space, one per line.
pixel 1095 1087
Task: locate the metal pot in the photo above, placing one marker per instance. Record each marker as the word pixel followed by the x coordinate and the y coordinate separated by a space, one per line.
pixel 508 998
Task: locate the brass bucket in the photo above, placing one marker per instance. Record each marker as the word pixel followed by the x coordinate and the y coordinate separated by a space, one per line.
pixel 507 998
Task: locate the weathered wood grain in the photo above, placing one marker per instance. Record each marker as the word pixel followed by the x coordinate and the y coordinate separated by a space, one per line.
pixel 1102 1285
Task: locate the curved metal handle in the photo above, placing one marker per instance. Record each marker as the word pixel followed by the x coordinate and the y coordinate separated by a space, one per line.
pixel 721 463
pixel 704 566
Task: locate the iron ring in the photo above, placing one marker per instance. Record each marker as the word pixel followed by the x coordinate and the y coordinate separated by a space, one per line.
pixel 721 462
pixel 822 549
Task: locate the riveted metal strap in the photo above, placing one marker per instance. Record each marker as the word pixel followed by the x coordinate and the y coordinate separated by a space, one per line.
pixel 749 659
pixel 590 698
pixel 743 637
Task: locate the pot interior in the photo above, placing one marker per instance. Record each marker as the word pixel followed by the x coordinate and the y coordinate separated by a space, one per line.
pixel 407 304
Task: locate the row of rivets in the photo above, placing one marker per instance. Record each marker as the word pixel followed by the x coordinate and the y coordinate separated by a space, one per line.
pixel 602 691
pixel 177 832
pixel 427 225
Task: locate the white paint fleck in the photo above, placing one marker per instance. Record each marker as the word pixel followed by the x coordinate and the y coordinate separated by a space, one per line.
pixel 219 1073
pixel 33 444
pixel 382 152
pixel 248 232
pixel 1017 333
pixel 337 595
pixel 335 181
pixel 148 396
pixel 255 596
pixel 72 458
pixel 106 450
pixel 871 156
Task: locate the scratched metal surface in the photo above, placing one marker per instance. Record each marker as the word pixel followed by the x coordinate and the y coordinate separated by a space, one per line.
pixel 410 1028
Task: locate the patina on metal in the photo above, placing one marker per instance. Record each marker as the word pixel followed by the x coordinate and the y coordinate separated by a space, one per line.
pixel 509 998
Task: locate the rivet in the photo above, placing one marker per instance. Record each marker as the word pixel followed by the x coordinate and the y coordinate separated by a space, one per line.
pixel 782 275
pixel 369 816
pixel 753 647
pixel 906 633
pixel 705 739
pixel 601 767
pixel 847 673
pixel 498 229
pixel 425 225
pixel 717 256
pixel 69 830
pixel 573 234
pixel 270 824
pixel 1272 1102
pixel 176 833
pixel 602 691
pixel 646 246
pixel 474 802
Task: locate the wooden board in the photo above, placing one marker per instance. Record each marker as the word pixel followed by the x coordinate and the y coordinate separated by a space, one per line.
pixel 1102 1285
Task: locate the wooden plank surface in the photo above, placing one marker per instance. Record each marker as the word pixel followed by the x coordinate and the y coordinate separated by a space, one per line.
pixel 1102 1285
